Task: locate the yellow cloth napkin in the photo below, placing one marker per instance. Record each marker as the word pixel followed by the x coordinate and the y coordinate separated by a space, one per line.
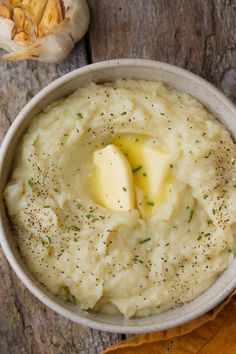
pixel 212 333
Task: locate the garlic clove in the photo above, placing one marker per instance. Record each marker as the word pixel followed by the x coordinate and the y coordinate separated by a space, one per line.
pixel 34 9
pixel 16 2
pixel 19 19
pixel 5 11
pixel 50 28
pixel 22 37
pixel 52 16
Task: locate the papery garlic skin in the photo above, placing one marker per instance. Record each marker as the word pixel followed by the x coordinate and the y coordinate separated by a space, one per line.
pixel 55 44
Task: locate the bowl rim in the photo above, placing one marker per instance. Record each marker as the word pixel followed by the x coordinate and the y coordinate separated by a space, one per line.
pixel 7 249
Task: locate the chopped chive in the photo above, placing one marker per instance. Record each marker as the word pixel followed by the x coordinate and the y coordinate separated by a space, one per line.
pixel 205 196
pixel 167 244
pixel 234 185
pixel 123 113
pixel 145 240
pixel 124 189
pixel 75 240
pixel 209 154
pixel 135 259
pixel 162 114
pixel 208 234
pixel 78 205
pixel 171 166
pixel 229 250
pixel 199 237
pixel 74 300
pixel 210 221
pixel 213 211
pixel 102 114
pixel 46 206
pixel 144 174
pixel 190 216
pixel 158 306
pixel 55 190
pixel 49 239
pixel 137 169
pixel 80 115
pixel 150 203
pixel 30 183
pixel 43 243
pixel 75 228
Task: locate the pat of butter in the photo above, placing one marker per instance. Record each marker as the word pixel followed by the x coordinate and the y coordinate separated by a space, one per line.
pixel 150 166
pixel 114 179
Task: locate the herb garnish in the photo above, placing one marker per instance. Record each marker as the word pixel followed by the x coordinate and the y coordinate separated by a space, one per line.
pixel 137 169
pixel 75 228
pixel 190 216
pixel 150 203
pixel 49 239
pixel 123 113
pixel 46 206
pixel 124 189
pixel 135 259
pixel 74 300
pixel 145 240
pixel 80 115
pixel 167 244
pixel 30 183
pixel 209 154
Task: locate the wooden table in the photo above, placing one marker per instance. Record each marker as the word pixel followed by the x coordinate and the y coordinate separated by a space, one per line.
pixel 199 35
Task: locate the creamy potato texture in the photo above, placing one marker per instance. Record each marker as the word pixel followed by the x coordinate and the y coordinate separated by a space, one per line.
pixel 154 256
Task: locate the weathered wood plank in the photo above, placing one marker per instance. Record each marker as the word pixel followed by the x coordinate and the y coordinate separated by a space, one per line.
pixel 27 326
pixel 197 35
pixel 20 81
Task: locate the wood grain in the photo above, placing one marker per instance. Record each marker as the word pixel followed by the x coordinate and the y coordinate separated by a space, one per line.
pixel 196 35
pixel 199 35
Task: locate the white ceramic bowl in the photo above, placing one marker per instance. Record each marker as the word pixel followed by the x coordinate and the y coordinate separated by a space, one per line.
pixel 176 77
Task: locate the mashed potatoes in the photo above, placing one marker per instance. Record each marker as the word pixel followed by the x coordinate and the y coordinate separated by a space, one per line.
pixel 118 261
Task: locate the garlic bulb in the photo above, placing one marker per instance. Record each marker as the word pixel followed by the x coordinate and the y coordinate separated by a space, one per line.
pixel 44 30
